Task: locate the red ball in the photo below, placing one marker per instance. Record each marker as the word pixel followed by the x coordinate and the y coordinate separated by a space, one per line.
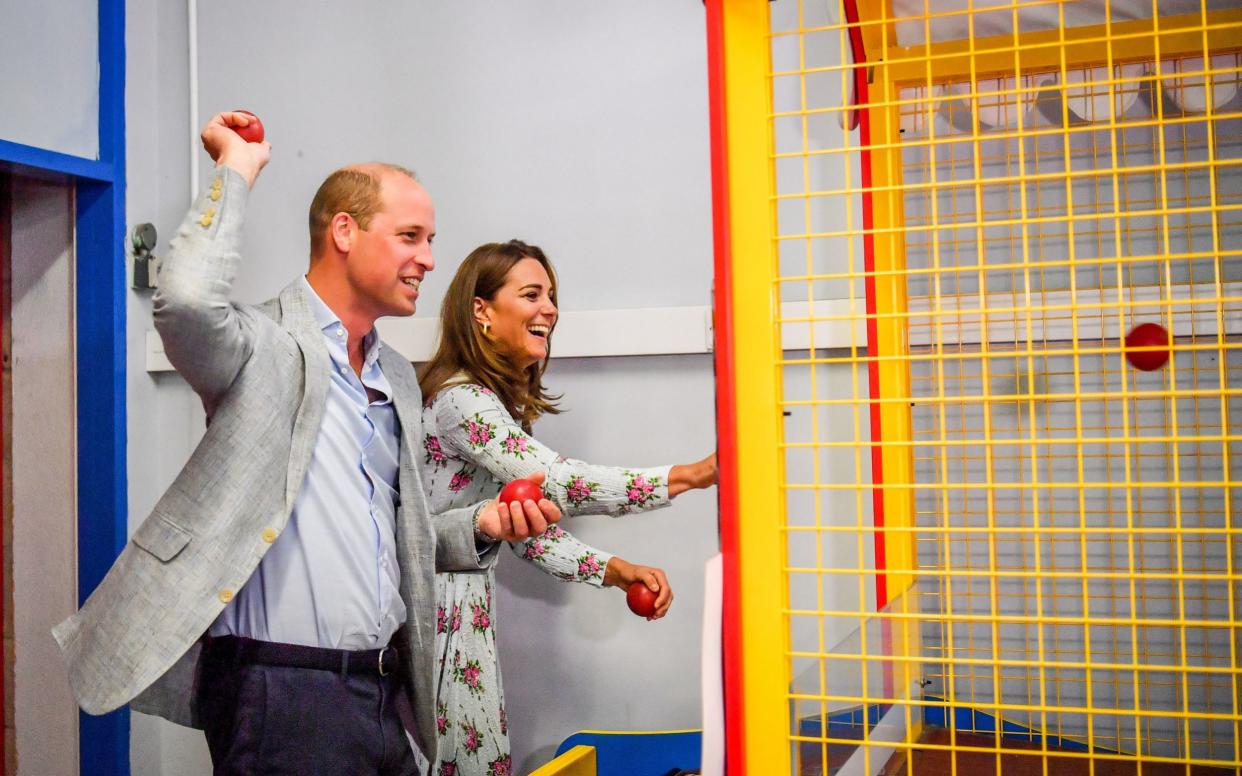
pixel 521 490
pixel 252 132
pixel 640 599
pixel 1147 335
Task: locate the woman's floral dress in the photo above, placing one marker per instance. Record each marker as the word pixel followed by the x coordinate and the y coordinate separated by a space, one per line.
pixel 473 446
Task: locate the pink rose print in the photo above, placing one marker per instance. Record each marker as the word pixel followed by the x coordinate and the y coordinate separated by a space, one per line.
pixel 478 431
pixel 479 620
pixel 639 490
pixel 441 619
pixel 588 566
pixel 554 532
pixel 501 766
pixel 516 444
pixel 474 739
pixel 578 491
pixel 481 390
pixel 447 768
pixel 442 719
pixel 534 550
pixel 455 620
pixel 461 478
pixel 435 454
pixel 468 674
pixel 504 722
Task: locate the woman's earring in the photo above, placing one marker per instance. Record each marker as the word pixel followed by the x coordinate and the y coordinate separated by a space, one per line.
pixel 487 329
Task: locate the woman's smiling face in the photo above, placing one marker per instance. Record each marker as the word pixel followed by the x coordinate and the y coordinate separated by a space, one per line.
pixel 522 314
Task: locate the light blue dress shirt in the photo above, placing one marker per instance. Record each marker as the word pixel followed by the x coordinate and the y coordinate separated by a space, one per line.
pixel 331 579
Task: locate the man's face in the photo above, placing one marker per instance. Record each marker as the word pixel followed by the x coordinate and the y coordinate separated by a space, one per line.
pixel 390 257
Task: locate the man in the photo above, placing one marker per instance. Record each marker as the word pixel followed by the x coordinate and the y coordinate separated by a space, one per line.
pixel 281 594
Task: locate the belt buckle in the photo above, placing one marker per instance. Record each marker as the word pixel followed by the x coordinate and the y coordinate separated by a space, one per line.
pixel 380 662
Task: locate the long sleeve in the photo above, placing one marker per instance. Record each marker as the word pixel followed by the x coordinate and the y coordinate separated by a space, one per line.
pixel 559 553
pixel 474 427
pixel 206 337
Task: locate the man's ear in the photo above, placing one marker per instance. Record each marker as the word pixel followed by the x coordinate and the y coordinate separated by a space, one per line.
pixel 342 229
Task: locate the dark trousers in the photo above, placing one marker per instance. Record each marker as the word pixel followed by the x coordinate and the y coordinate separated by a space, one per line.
pixel 264 719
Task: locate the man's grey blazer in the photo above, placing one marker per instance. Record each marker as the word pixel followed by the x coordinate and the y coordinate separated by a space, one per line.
pixel 262 373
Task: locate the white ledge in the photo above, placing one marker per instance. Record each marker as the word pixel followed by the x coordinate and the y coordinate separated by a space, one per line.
pixel 838 323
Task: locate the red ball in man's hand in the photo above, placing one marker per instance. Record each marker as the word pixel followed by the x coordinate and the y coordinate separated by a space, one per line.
pixel 252 132
pixel 1147 335
pixel 521 490
pixel 640 599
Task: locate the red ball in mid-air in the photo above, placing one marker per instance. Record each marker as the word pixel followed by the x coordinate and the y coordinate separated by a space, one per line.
pixel 252 132
pixel 1147 335
pixel 521 490
pixel 640 599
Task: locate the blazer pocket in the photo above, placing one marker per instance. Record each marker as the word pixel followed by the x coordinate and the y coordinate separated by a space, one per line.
pixel 161 537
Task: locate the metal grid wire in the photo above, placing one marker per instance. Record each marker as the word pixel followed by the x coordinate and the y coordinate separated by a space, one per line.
pixel 1052 582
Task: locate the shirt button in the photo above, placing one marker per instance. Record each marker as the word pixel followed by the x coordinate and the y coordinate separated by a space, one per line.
pixel 344 370
pixel 340 332
pixel 226 595
pixel 269 535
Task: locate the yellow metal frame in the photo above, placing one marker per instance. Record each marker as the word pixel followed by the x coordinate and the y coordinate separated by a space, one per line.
pixel 756 338
pixel 757 348
pixel 1073 47
pixel 891 347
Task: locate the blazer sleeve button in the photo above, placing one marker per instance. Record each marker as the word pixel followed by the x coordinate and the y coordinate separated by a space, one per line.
pixel 226 595
pixel 270 534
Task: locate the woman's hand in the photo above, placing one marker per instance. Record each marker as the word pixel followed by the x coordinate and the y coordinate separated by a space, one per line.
pixel 499 522
pixel 689 476
pixel 621 573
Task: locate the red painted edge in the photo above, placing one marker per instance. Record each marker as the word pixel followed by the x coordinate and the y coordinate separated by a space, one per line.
pixel 862 119
pixel 726 404
pixel 862 116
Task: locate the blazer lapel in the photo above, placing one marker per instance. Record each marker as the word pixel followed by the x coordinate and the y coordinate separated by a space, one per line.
pixel 406 397
pixel 297 318
pixel 413 529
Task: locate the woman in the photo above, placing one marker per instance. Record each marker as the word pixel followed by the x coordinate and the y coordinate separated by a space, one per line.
pixel 483 391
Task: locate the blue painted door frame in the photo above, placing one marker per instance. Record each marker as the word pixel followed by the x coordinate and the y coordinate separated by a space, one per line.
pixel 99 186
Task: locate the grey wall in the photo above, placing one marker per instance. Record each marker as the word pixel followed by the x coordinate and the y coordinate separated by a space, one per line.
pixel 49 75
pixel 581 127
pixel 574 657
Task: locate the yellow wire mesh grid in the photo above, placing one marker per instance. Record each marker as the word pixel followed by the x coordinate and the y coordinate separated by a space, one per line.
pixel 1043 178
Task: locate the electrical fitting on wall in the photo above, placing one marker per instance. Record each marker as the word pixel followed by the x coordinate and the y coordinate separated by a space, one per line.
pixel 146 263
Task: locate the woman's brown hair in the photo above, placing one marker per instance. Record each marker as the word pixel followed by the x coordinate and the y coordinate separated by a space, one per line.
pixel 464 348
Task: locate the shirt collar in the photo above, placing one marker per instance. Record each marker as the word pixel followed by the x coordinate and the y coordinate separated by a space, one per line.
pixel 332 328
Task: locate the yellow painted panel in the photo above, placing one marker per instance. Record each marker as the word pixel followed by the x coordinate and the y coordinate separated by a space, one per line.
pixel 1086 46
pixel 579 761
pixel 756 351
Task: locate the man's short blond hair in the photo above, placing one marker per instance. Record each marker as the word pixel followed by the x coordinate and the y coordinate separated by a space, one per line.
pixel 356 190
